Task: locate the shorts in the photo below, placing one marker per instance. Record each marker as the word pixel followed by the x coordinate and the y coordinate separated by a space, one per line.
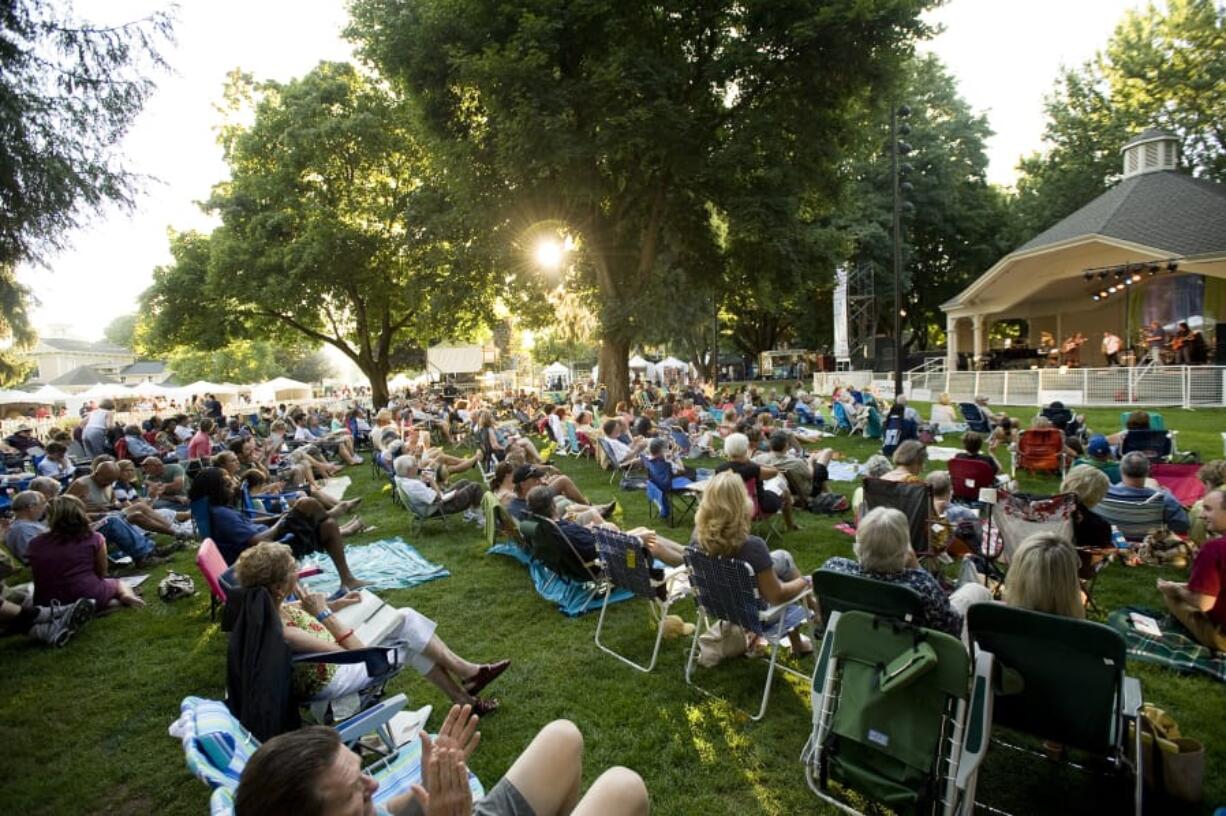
pixel 770 502
pixel 504 799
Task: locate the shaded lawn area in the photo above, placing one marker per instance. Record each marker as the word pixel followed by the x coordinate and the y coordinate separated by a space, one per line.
pixel 85 727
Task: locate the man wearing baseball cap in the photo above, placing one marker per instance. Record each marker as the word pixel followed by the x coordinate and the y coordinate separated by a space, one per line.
pixel 1098 454
pixel 568 498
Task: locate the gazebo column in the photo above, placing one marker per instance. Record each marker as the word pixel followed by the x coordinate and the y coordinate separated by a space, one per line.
pixel 951 343
pixel 979 348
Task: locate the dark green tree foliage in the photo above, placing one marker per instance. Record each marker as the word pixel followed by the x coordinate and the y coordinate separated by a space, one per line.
pixel 957 228
pixel 335 228
pixel 1162 68
pixel 625 122
pixel 122 331
pixel 69 91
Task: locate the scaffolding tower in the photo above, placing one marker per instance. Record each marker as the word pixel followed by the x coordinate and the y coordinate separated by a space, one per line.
pixel 861 317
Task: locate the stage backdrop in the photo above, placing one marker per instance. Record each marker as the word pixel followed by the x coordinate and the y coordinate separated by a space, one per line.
pixel 1196 299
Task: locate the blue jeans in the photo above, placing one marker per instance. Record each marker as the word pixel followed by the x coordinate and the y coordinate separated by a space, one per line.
pixel 126 537
pixel 94 441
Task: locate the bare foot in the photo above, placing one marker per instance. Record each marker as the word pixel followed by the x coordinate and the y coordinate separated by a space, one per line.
pixel 353 584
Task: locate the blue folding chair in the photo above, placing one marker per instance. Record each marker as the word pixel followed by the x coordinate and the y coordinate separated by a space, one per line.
pixel 975 420
pixel 897 430
pixel 627 565
pixel 726 589
pixel 1158 446
pixel 841 421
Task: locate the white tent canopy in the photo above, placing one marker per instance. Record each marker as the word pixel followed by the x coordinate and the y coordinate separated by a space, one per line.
pixel 151 389
pixel 638 362
pixel 49 394
pixel 673 362
pixel 281 389
pixel 205 387
pixel 10 397
pixel 400 382
pixel 105 391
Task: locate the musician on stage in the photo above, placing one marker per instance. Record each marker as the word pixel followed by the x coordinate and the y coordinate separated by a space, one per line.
pixel 1111 348
pixel 1155 339
pixel 1070 350
pixel 1181 344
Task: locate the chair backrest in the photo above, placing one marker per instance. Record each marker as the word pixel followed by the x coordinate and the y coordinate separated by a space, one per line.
pixel 681 439
pixel 553 549
pixel 1039 449
pixel 840 416
pixel 211 565
pixel 841 592
pixel 200 517
pixel 968 476
pixel 888 743
pixel 656 497
pixel 215 743
pixel 1070 671
pixel 897 430
pixel 1017 516
pixel 1180 480
pixel 726 589
pixel 625 562
pixel 975 420
pixel 1156 422
pixel 751 487
pixel 914 500
pixel 1156 445
pixel 609 455
pixel 121 448
pixel 1134 519
pixel 572 437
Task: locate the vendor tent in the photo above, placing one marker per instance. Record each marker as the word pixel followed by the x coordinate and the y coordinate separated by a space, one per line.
pixel 106 391
pixel 9 397
pixel 557 376
pixel 49 395
pixel 673 370
pixel 149 389
pixel 400 382
pixel 281 389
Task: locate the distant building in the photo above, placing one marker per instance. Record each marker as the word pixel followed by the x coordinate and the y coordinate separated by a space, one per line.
pixel 143 371
pixel 54 357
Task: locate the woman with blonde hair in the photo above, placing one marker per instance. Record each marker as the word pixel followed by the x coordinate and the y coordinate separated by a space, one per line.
pixel 721 528
pixel 943 412
pixel 309 625
pixel 1043 576
pixel 1090 485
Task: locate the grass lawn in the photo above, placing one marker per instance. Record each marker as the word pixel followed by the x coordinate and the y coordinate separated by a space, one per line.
pixel 85 728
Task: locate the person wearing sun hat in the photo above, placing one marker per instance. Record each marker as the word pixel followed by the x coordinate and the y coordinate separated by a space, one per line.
pixel 1098 455
pixel 24 440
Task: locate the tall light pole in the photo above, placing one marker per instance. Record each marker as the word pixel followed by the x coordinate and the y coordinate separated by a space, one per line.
pixel 898 148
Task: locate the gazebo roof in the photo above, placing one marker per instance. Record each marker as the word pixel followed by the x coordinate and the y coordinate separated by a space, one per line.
pixel 1166 210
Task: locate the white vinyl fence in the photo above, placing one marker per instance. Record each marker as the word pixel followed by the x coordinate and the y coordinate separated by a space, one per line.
pixel 1156 386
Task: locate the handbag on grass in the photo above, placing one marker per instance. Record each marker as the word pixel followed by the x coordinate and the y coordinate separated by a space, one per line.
pixel 1177 768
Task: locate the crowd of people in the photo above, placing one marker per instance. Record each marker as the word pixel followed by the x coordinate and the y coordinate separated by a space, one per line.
pixel 261 480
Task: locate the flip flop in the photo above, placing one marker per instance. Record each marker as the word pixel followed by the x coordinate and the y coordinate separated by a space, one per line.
pixel 484 676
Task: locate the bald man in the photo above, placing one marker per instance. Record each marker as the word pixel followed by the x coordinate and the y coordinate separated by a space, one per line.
pixel 98 492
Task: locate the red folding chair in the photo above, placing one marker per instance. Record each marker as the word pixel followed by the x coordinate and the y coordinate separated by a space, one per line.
pixel 772 519
pixel 1180 480
pixel 969 476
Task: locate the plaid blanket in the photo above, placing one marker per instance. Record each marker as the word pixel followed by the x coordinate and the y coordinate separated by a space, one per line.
pixel 1175 649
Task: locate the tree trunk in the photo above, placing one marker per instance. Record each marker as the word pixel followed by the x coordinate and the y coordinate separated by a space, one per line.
pixel 376 372
pixel 615 370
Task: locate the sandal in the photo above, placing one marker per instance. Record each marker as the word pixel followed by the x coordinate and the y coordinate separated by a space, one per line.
pixel 484 676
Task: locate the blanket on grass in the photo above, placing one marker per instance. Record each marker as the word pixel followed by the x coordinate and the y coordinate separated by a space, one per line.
pixel 1175 649
pixel 387 564
pixel 572 599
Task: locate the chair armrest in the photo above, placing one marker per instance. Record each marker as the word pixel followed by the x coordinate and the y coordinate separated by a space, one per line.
pixel 378 659
pixel 370 720
pixel 774 611
pixel 1132 698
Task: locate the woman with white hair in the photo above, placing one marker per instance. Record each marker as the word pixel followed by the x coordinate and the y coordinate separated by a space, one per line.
pixel 736 448
pixel 876 467
pixel 883 553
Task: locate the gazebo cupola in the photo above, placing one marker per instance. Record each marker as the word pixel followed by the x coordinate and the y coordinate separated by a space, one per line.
pixel 1149 152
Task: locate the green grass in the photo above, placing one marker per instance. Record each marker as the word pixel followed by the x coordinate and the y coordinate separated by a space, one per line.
pixel 85 728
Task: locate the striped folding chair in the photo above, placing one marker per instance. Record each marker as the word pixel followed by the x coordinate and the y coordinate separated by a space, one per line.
pixel 726 589
pixel 622 470
pixel 1134 520
pixel 626 564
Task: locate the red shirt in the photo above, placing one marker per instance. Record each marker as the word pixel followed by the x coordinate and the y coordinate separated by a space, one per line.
pixel 1208 575
pixel 200 446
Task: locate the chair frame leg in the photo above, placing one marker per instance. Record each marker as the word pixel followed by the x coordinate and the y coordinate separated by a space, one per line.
pixel 659 635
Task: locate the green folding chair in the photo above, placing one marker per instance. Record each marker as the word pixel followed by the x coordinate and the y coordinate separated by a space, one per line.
pixel 1062 680
pixel 898 717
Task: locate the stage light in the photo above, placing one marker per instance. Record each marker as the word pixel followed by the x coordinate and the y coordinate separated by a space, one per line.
pixel 1103 293
pixel 1119 272
pixel 1096 297
pixel 1128 281
pixel 1102 273
pixel 1171 266
pixel 1136 278
pixel 1088 275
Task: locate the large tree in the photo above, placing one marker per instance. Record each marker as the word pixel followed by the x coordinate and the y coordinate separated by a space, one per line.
pixel 624 124
pixel 1161 68
pixel 335 226
pixel 69 91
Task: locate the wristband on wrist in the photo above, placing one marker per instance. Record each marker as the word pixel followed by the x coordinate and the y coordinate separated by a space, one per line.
pixel 323 615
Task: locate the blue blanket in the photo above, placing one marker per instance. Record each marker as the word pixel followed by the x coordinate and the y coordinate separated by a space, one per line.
pixel 572 599
pixel 387 564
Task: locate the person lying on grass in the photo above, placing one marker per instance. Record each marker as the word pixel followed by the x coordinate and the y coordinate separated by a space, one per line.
pixel 309 626
pixel 309 772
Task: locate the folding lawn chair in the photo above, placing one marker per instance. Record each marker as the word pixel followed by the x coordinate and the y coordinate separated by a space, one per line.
pixel 627 565
pixel 616 469
pixel 968 477
pixel 419 515
pixel 200 518
pixel 843 421
pixel 670 501
pixel 217 748
pixel 1040 450
pixel 897 430
pixel 772 520
pixel 576 445
pixel 1135 520
pixel 498 522
pixel 1158 446
pixel 839 592
pixel 1156 422
pixel 211 566
pixel 1015 517
pixel 1061 680
pixel 915 502
pixel 898 717
pixel 1180 480
pixel 726 589
pixel 552 548
pixel 975 420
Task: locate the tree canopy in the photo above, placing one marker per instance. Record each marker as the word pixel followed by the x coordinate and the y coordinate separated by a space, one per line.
pixel 336 227
pixel 1162 68
pixel 625 125
pixel 69 91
